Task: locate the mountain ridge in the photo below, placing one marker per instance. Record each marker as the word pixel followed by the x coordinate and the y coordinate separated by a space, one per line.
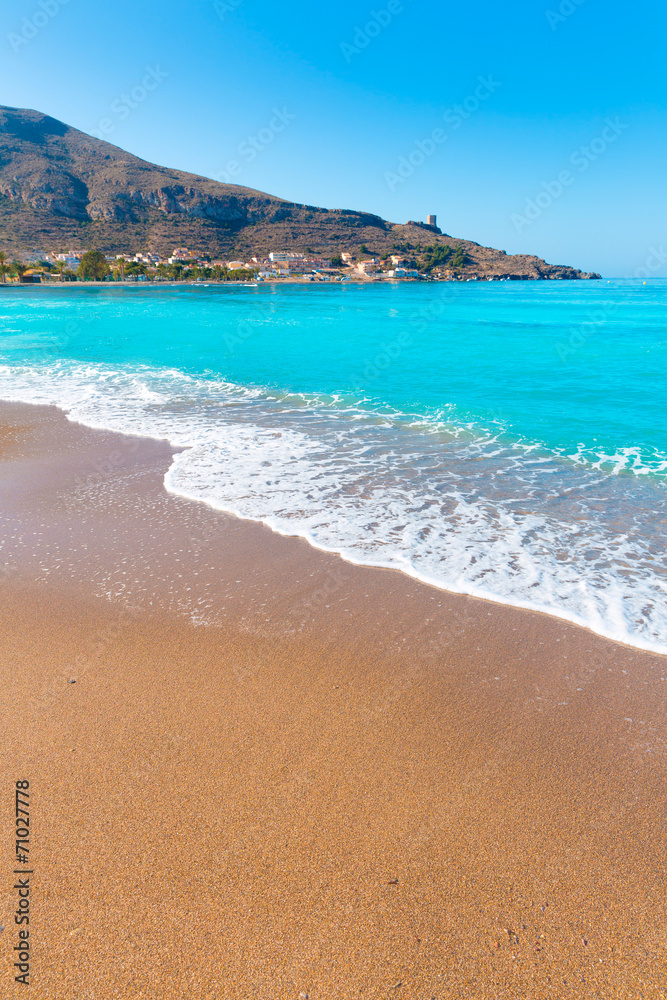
pixel 60 187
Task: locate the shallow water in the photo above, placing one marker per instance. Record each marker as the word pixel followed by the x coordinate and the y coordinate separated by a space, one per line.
pixel 503 440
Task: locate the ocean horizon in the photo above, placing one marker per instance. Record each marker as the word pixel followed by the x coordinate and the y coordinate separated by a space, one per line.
pixel 500 439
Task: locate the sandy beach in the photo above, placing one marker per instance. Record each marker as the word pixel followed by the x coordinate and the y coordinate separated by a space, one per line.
pixel 258 771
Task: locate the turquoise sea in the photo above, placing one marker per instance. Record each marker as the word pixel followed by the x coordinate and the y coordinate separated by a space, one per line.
pixel 507 440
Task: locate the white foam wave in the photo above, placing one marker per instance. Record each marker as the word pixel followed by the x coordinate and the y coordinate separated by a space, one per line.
pixel 468 512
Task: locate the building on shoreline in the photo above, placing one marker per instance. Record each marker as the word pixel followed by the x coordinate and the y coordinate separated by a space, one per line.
pixel 368 267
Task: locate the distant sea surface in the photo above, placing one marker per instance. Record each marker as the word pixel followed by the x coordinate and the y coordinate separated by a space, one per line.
pixel 506 440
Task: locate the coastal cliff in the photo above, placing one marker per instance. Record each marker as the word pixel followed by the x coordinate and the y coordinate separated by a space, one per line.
pixel 61 188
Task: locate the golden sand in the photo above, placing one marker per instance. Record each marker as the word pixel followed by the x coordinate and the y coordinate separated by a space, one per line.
pixel 277 775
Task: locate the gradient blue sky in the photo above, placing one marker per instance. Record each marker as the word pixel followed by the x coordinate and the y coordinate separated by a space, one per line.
pixel 230 63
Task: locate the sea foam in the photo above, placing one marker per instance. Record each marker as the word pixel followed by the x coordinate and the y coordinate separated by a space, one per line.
pixel 466 509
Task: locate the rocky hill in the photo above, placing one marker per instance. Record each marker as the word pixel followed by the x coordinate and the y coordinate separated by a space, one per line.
pixel 62 189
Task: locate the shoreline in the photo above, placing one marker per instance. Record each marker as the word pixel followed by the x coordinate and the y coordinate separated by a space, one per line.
pixel 441 587
pixel 277 773
pixel 352 279
pixel 431 583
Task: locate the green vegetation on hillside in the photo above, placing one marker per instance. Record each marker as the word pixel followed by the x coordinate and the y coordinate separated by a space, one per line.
pixel 437 255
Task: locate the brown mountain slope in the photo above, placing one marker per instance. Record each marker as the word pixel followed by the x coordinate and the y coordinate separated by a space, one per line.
pixel 61 189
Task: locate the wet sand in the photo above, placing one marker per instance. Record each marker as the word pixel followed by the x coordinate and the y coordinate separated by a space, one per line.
pixel 258 771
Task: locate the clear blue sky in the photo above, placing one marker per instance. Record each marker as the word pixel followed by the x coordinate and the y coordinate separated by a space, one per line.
pixel 357 103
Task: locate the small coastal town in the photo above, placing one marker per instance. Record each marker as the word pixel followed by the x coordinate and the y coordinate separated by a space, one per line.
pixel 186 265
pixel 405 262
